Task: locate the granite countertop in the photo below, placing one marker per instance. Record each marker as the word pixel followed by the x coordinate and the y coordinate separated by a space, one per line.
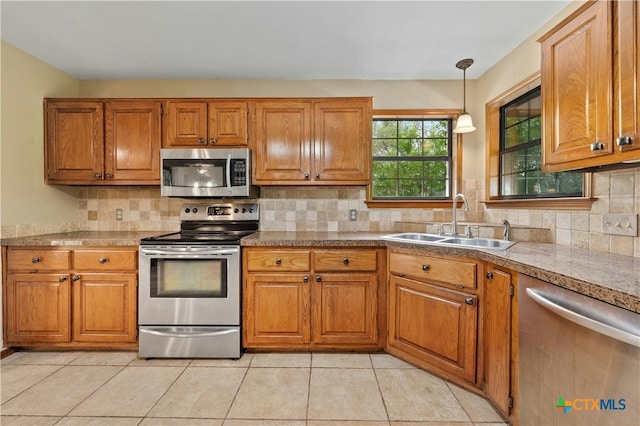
pixel 608 277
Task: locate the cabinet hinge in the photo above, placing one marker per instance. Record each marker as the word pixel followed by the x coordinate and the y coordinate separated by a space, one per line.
pixel 511 290
pixel 510 402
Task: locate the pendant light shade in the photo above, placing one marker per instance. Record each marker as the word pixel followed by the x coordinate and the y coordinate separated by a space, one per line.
pixel 464 124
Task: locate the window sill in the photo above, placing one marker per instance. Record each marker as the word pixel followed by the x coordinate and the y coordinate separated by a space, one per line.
pixel 410 204
pixel 543 204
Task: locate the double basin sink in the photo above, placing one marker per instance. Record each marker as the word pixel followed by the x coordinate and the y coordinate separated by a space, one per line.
pixel 450 241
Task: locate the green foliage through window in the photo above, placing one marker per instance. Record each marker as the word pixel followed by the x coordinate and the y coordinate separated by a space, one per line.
pixel 411 159
pixel 521 156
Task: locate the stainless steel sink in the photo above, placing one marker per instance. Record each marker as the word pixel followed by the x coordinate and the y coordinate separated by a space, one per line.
pixel 445 240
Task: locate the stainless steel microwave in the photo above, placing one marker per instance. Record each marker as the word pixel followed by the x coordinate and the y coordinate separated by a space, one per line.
pixel 207 173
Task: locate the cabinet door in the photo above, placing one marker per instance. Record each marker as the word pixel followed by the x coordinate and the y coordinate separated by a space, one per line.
pixel 342 148
pixel 132 142
pixel 104 307
pixel 627 89
pixel 38 308
pixel 576 90
pixel 276 310
pixel 344 309
pixel 228 123
pixel 497 338
pixel 185 125
pixel 434 325
pixel 282 142
pixel 74 151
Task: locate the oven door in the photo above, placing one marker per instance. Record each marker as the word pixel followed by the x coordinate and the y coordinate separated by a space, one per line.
pixel 189 285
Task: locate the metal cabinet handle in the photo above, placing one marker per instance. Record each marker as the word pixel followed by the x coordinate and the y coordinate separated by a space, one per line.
pixel 469 301
pixel 597 146
pixel 624 141
pixel 278 261
pixel 75 278
pixel 306 175
pixel 426 267
pixel 345 261
pixel 62 279
pixel 212 141
pixel 305 279
pixel 35 260
pixel 98 175
pixel 201 141
pixel 318 279
pixel 489 275
pixel 108 176
pixel 590 323
pixel 317 175
pixel 103 260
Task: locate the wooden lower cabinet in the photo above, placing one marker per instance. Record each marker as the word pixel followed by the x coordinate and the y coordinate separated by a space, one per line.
pixel 63 297
pixel 499 340
pixel 37 308
pixel 435 326
pixel 292 301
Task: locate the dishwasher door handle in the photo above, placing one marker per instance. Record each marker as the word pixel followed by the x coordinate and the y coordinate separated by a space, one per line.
pixel 590 323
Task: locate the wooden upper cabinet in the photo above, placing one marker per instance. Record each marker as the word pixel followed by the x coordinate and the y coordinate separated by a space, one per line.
pixel 581 67
pixel 206 124
pixel 132 141
pixel 93 143
pixel 312 141
pixel 282 138
pixel 342 149
pixel 627 87
pixel 74 142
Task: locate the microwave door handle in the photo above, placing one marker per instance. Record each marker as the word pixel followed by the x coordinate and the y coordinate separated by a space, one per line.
pixel 229 172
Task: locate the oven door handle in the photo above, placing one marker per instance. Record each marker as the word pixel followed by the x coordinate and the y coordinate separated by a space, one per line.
pixel 190 251
pixel 229 173
pixel 194 334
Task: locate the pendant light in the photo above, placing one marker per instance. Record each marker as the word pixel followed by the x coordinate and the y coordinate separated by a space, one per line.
pixel 464 123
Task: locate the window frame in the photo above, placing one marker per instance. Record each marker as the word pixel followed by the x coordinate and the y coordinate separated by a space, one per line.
pixel 456 158
pixel 493 173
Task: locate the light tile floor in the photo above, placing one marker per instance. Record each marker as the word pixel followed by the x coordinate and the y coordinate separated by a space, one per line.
pixel 271 389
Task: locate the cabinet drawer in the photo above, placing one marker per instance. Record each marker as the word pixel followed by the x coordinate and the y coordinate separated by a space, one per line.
pixel 344 260
pixel 38 260
pixel 458 273
pixel 104 260
pixel 278 260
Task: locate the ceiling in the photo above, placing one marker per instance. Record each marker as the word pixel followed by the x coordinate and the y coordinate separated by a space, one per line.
pixel 283 40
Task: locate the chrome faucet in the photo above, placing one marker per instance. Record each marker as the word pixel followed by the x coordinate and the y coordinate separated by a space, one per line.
pixel 454 222
pixel 506 235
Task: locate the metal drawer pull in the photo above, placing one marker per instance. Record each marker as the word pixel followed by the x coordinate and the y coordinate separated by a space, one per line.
pixel 35 260
pixel 597 146
pixel 469 301
pixel 318 279
pixel 345 261
pixel 103 260
pixel 306 175
pixel 212 141
pixel 278 261
pixel 108 176
pixel 305 279
pixel 426 267
pixel 62 279
pixel 75 278
pixel 98 175
pixel 590 323
pixel 317 175
pixel 201 141
pixel 196 334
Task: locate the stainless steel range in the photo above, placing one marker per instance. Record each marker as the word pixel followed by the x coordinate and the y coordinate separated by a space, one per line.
pixel 189 289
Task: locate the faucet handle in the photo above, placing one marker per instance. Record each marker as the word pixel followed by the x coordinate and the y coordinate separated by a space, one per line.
pixel 467 232
pixel 440 229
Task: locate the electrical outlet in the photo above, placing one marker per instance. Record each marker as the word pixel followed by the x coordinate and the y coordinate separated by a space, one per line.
pixel 353 214
pixel 118 214
pixel 620 224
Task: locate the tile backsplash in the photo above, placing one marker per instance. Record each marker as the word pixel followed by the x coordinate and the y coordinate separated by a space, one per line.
pixel 326 209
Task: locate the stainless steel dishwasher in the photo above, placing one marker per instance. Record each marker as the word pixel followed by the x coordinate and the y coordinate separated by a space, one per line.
pixel 579 358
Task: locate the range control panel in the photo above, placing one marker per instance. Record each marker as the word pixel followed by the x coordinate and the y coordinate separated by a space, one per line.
pixel 220 212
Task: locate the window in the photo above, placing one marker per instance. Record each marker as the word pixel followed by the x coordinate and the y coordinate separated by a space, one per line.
pixel 514 157
pixel 412 157
pixel 521 157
